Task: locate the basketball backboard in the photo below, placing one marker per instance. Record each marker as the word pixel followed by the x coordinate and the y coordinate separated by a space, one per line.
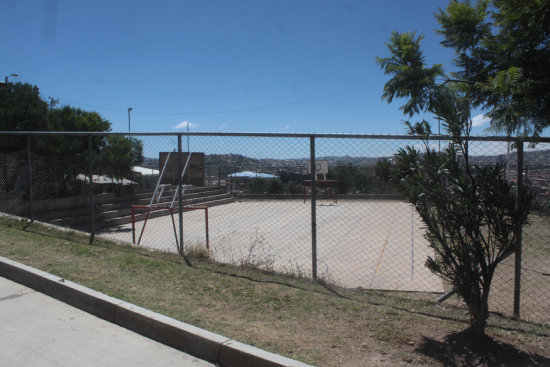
pixel 321 167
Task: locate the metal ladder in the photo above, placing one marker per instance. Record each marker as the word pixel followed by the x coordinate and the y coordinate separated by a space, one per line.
pixel 155 199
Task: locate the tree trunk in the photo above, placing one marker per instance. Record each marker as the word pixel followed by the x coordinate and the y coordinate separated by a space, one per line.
pixel 477 324
pixel 479 313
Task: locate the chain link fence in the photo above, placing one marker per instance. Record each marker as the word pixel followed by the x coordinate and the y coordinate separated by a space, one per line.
pixel 249 200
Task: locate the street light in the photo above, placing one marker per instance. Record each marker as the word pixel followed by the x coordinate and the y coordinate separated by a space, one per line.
pixel 129 110
pixel 14 75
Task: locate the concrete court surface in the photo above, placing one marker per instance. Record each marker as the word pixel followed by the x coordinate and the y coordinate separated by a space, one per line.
pixel 371 244
pixel 37 330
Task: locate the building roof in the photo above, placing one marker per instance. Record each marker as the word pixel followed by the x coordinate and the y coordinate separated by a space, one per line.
pixel 146 171
pixel 99 179
pixel 250 174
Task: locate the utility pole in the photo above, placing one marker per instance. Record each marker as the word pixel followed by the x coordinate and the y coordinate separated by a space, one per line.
pixel 129 110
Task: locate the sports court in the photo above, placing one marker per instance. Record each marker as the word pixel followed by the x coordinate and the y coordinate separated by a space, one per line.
pixel 371 244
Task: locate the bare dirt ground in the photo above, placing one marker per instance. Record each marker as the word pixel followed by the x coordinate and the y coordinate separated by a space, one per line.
pixel 369 244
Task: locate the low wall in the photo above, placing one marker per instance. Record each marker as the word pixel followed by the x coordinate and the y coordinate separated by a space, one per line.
pixel 321 197
pixel 17 202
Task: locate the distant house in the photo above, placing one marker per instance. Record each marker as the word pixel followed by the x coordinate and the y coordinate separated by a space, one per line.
pixel 145 171
pixel 147 177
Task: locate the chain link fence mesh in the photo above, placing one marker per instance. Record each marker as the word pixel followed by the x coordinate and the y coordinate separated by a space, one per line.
pixel 535 268
pixel 248 199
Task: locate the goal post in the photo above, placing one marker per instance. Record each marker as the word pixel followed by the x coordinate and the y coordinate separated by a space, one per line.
pixel 157 204
pixel 328 187
pixel 171 209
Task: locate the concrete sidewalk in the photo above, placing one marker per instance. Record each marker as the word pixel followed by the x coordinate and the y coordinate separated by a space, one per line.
pixel 37 330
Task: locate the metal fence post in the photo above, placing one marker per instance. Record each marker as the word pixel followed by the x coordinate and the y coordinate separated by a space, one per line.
pixel 180 199
pixel 91 190
pixel 517 275
pixel 313 208
pixel 412 242
pixel 29 158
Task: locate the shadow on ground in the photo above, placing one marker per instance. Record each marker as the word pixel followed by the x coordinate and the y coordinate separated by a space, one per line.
pixel 465 349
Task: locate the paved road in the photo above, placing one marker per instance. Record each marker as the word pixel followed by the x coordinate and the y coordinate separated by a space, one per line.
pixel 37 330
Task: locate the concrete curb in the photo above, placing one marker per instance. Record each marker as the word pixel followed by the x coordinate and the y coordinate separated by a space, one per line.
pixel 197 342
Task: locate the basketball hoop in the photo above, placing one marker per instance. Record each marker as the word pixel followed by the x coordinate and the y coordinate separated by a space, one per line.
pixel 321 168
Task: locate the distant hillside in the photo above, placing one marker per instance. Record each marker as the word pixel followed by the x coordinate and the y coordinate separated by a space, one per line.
pixel 540 157
pixel 235 162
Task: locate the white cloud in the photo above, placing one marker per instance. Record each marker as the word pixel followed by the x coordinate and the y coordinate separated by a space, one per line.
pixel 183 125
pixel 480 120
pixel 287 126
pixel 222 126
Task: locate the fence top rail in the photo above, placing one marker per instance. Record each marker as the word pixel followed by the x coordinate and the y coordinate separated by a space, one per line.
pixel 283 135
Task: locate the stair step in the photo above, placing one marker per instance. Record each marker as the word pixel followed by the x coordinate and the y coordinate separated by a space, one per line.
pixel 119 211
pixel 126 210
pixel 111 222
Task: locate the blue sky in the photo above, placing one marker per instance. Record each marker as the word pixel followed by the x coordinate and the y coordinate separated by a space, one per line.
pixel 305 66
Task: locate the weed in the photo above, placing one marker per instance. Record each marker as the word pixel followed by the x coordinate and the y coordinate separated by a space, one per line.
pixel 258 254
pixel 197 251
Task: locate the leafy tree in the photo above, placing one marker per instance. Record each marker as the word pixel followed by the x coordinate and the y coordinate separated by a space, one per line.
pixel 292 181
pixel 356 179
pixel 73 119
pixel 345 175
pixel 472 214
pixel 287 176
pixel 119 155
pixel 260 185
pixel 274 186
pixel 368 182
pixel 503 58
pixel 22 109
pixel 294 187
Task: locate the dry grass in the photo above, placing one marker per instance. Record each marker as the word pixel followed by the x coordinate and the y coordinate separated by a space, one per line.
pixel 296 317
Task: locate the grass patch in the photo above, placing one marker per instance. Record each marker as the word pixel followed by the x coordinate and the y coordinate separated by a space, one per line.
pixel 295 317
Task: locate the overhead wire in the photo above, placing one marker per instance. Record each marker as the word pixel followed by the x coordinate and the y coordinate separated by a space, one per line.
pixel 308 100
